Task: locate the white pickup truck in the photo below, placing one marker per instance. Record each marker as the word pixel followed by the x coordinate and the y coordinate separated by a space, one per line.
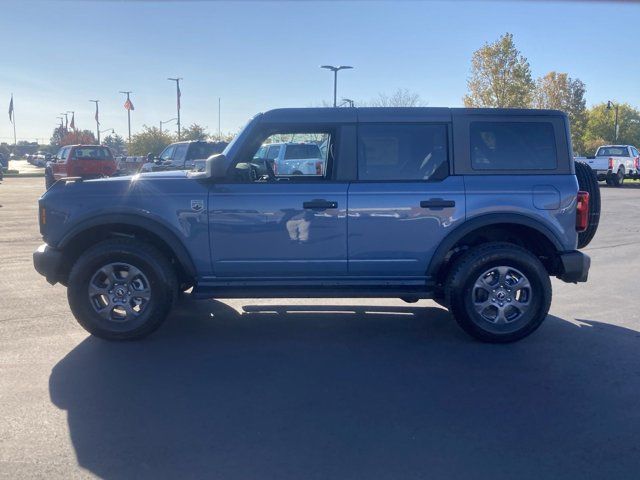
pixel 614 163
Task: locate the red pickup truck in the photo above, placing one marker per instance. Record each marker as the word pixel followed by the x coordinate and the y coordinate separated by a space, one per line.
pixel 86 161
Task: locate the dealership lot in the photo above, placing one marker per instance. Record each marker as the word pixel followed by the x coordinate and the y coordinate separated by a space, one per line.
pixel 337 388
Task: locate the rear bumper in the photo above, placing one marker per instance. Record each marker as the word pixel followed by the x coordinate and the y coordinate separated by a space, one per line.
pixel 575 267
pixel 47 262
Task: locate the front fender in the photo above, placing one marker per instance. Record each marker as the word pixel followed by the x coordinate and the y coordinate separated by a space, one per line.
pixel 153 225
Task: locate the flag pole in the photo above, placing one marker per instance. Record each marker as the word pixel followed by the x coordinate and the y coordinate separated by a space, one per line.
pixel 13 111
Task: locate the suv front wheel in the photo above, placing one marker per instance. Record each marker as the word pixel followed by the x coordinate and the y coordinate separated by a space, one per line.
pixel 121 289
pixel 498 292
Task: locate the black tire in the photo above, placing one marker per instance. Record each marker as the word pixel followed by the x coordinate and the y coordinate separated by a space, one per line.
pixel 461 290
pixel 159 277
pixel 588 182
pixel 618 179
pixel 49 180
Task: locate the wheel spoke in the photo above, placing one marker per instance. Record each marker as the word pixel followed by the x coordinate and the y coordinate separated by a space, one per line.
pixel 106 311
pixel 481 306
pixel 502 275
pixel 133 273
pixel 501 317
pixel 110 273
pixel 97 290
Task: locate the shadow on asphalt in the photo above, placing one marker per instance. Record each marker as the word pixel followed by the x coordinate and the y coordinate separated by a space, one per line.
pixel 352 393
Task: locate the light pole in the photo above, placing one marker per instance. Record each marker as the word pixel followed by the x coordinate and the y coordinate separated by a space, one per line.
pixel 66 120
pixel 164 123
pixel 97 117
pixel 178 94
pixel 610 104
pixel 128 106
pixel 61 124
pixel 335 71
pixel 348 101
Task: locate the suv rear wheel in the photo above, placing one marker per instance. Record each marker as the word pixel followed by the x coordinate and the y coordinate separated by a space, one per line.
pixel 121 289
pixel 498 292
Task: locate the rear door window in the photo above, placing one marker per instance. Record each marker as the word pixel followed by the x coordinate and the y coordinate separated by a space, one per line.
pixel 402 152
pixel 513 146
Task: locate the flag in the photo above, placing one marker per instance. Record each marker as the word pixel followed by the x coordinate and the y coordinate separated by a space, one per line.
pixel 73 123
pixel 128 105
pixel 179 95
pixel 11 109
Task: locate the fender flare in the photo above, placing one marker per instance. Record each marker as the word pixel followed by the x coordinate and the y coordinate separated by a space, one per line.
pixel 171 239
pixel 484 221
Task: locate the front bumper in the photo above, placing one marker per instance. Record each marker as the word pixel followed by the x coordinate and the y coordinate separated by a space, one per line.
pixel 575 267
pixel 47 262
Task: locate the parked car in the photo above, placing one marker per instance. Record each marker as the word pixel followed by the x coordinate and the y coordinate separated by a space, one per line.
pixel 4 162
pixel 614 163
pixel 40 159
pixel 183 155
pixel 128 165
pixel 292 158
pixel 84 161
pixel 475 208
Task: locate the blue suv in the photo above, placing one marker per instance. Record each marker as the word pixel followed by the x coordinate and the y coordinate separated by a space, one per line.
pixel 474 208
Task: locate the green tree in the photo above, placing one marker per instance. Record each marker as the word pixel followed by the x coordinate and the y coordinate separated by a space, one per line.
pixel 116 143
pixel 194 132
pixel 601 126
pixel 558 91
pixel 500 76
pixel 149 140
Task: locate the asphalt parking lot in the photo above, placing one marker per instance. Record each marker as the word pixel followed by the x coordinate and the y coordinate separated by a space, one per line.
pixel 315 389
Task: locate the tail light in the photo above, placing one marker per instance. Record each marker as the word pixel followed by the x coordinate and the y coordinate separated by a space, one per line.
pixel 636 163
pixel 274 164
pixel 611 164
pixel 582 211
pixel 318 168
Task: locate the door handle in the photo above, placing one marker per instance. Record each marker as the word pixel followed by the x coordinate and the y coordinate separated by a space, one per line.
pixel 437 204
pixel 320 204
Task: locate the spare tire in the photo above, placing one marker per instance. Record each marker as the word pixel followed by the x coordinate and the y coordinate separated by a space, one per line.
pixel 588 182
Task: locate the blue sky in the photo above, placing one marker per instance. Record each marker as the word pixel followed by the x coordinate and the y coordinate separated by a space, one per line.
pixel 260 55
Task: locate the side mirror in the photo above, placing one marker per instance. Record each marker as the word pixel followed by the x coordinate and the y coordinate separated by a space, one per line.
pixel 216 166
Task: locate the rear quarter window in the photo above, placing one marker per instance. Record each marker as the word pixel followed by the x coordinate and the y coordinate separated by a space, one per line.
pixel 512 146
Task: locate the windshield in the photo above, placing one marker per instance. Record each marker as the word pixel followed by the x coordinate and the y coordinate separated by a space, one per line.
pixel 612 152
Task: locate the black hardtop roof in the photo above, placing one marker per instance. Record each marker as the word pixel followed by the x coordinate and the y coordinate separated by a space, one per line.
pixel 391 114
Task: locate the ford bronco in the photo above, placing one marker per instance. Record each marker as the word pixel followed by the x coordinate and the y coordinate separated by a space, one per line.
pixel 474 208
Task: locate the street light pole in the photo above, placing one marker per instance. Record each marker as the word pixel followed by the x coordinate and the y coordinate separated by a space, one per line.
pixel 97 117
pixel 66 120
pixel 165 122
pixel 335 71
pixel 128 112
pixel 178 94
pixel 615 132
